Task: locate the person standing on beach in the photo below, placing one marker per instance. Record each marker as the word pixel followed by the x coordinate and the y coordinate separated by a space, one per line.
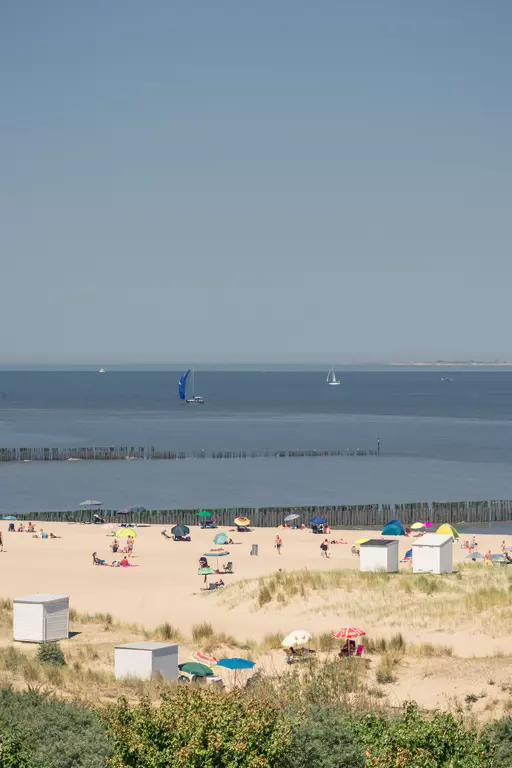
pixel 278 543
pixel 1 542
pixel 324 549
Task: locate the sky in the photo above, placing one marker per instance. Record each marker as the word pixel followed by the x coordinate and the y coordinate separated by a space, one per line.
pixel 281 180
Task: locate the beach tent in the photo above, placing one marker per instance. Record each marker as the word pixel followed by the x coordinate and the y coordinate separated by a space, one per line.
pixel 449 530
pixel 220 538
pixel 126 532
pixel 407 556
pixel 417 526
pixel 393 528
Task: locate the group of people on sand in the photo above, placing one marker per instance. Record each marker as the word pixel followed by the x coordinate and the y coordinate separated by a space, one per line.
pixel 30 528
pixel 127 550
pixel 123 563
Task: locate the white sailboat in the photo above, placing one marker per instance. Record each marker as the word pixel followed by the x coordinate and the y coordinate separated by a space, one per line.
pixel 331 378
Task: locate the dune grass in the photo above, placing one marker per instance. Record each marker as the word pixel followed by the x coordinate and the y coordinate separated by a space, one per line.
pixel 472 595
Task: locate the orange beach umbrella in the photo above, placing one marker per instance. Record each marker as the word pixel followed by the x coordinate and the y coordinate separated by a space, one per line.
pixel 243 521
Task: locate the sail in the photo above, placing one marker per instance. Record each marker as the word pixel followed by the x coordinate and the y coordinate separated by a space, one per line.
pixel 182 386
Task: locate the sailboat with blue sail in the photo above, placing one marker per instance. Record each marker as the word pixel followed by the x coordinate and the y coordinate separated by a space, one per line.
pixel 182 388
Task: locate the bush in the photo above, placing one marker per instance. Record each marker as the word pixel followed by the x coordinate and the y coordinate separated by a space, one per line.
pixel 51 653
pixel 415 741
pixel 13 753
pixel 54 734
pixel 322 740
pixel 499 735
pixel 194 727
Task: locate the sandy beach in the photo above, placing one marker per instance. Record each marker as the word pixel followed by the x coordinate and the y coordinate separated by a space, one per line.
pixel 458 635
pixel 165 586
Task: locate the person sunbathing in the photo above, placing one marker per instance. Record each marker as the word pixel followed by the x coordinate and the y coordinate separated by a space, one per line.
pixel 96 560
pixel 507 557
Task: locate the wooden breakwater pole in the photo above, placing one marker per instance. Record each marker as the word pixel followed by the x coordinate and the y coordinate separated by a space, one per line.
pixel 340 516
pixel 115 453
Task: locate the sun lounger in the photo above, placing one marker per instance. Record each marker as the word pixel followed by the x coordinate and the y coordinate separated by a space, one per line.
pixel 359 650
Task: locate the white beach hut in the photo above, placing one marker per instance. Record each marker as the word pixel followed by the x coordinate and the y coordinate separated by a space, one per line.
pixel 41 618
pixel 433 553
pixel 379 555
pixel 144 660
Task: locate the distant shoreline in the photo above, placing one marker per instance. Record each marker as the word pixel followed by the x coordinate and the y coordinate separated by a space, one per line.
pixel 456 364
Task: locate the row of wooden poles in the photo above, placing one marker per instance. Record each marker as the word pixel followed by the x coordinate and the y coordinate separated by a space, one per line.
pixel 113 453
pixel 346 516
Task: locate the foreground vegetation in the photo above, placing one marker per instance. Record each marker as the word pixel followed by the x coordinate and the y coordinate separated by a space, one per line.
pixel 317 716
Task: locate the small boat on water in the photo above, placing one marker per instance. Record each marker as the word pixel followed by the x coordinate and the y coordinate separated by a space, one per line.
pixel 182 388
pixel 331 378
pixel 101 370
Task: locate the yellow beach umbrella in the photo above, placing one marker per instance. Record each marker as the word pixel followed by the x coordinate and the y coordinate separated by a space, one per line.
pixel 361 541
pixel 126 532
pixel 417 526
pixel 448 529
pixel 243 521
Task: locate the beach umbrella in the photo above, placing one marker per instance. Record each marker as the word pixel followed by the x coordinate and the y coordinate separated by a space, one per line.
pixel 90 503
pixel 318 521
pixel 123 512
pixel 139 510
pixel 204 513
pixel 408 555
pixel 417 526
pixel 235 664
pixel 204 658
pixel 205 571
pixel 291 517
pixel 216 553
pixel 180 530
pixel 361 541
pixel 296 638
pixel 9 517
pixel 449 530
pixel 474 556
pixel 220 538
pixel 427 524
pixel 348 633
pixel 243 521
pixel 125 532
pixel 195 668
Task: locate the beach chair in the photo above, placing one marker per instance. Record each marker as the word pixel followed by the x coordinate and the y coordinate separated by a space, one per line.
pixel 228 567
pixel 359 650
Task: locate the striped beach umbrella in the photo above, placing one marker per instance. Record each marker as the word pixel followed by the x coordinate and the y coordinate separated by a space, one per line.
pixel 204 658
pixel 348 633
pixel 243 521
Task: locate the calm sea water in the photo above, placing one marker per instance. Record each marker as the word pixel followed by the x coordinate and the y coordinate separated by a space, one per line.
pixel 439 440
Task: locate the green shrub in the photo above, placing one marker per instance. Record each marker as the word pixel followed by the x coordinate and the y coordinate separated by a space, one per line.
pixel 54 734
pixel 420 741
pixel 322 740
pixel 195 727
pixel 51 653
pixel 13 753
pixel 499 735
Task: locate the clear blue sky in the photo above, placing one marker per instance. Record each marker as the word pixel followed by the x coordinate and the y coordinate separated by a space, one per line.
pixel 275 180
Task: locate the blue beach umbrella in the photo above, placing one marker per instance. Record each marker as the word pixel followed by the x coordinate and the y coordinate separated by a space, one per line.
pixel 318 521
pixel 138 510
pixel 235 664
pixel 220 538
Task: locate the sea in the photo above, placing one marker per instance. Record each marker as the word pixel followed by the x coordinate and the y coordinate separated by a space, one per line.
pixel 445 435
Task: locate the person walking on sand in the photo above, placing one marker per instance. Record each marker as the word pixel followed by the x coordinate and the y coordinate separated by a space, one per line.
pixel 1 542
pixel 278 543
pixel 324 549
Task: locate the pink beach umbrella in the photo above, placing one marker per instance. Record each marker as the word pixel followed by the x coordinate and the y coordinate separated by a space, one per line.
pixel 427 524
